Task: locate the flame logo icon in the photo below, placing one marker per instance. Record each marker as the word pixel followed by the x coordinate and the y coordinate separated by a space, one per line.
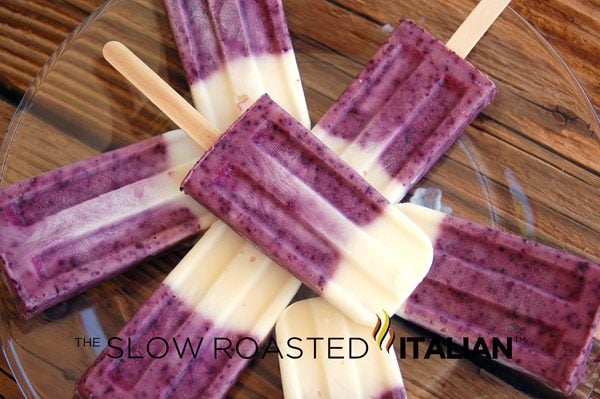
pixel 382 328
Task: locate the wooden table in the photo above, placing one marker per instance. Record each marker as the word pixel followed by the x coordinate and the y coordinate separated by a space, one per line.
pixel 32 29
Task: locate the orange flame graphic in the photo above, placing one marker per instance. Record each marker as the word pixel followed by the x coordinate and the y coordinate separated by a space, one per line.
pixel 382 328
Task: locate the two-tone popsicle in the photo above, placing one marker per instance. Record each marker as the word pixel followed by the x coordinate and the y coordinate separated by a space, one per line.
pixel 233 52
pixel 277 185
pixel 210 340
pixel 488 283
pixel 72 228
pixel 409 104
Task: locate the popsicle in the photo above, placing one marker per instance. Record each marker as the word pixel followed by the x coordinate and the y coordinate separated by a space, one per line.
pixel 487 283
pixel 218 302
pixel 60 235
pixel 343 361
pixel 275 184
pixel 408 105
pixel 71 228
pixel 232 52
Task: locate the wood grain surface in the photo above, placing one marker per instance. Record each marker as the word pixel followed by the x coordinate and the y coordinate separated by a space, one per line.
pixel 32 29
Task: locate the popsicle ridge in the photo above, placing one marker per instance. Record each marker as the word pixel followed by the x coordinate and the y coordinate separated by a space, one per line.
pixel 26 202
pixel 159 225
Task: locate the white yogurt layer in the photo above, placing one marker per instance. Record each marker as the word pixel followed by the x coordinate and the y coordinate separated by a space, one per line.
pixel 232 283
pixel 227 93
pixel 304 376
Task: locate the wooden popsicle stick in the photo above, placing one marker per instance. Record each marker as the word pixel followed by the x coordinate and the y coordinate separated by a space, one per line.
pixel 182 113
pixel 475 26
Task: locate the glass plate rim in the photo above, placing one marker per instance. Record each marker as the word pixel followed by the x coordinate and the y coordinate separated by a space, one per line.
pixel 25 103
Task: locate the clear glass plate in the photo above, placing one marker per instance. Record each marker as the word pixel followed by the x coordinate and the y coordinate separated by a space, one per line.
pixel 529 164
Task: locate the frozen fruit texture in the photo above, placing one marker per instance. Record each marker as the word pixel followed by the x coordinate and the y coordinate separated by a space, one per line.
pixel 205 27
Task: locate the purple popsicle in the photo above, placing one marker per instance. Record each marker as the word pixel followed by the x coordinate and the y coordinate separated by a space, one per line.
pixel 239 49
pixel 487 283
pixel 71 228
pixel 275 184
pixel 404 110
pixel 180 373
pixel 65 231
pixel 191 371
